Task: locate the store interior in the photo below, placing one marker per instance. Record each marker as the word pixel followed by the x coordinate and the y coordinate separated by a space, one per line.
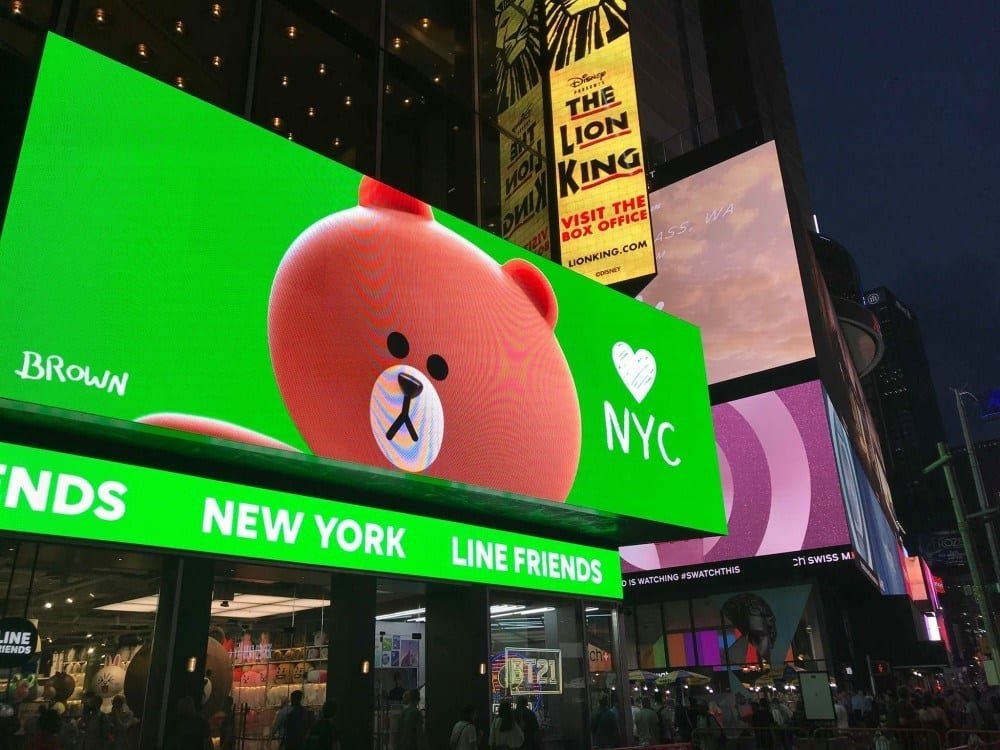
pixel 96 608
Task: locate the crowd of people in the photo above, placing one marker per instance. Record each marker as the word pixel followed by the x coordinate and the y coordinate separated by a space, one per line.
pixel 774 720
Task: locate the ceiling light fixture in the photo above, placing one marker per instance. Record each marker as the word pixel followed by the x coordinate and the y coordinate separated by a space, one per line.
pixel 534 611
pixel 402 614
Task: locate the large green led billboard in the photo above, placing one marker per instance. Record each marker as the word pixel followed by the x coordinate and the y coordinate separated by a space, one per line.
pixel 166 262
pixel 57 494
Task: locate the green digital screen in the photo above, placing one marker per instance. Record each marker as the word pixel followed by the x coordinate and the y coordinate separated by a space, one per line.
pixel 168 263
pixel 62 495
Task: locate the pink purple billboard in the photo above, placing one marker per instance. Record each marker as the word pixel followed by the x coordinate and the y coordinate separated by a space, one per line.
pixel 780 484
pixel 727 264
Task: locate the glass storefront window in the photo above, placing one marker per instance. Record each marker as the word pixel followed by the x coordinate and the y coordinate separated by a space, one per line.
pixel 433 39
pixel 95 611
pixel 535 655
pixel 649 636
pixel 311 88
pixel 267 639
pixel 400 654
pixel 202 48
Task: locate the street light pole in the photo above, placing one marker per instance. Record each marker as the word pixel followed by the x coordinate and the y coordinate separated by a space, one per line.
pixel 978 591
pixel 977 480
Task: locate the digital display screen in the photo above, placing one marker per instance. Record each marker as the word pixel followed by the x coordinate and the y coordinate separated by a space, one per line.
pixel 165 262
pixel 780 485
pixel 727 263
pixel 78 498
pixel 872 534
pixel 604 229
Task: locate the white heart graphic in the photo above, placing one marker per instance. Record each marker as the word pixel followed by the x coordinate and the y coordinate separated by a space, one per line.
pixel 636 369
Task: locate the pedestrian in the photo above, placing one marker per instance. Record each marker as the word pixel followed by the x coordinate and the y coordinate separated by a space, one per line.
pixel 294 723
pixel 647 724
pixel 227 727
pixel 665 714
pixel 528 722
pixel 192 731
pixel 323 735
pixel 120 719
pixel 505 734
pixel 463 734
pixel 95 729
pixel 762 722
pixel 46 737
pixel 604 725
pixel 411 723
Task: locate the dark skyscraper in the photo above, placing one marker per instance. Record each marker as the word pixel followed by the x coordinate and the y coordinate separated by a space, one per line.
pixel 904 405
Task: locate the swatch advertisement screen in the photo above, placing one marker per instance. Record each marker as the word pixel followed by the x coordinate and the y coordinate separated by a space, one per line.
pixel 724 241
pixel 604 230
pixel 57 494
pixel 168 263
pixel 780 484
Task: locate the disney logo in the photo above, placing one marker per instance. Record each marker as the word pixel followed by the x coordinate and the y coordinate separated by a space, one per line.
pixel 577 81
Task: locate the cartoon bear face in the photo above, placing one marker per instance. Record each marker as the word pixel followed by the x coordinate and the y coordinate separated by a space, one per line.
pixel 396 343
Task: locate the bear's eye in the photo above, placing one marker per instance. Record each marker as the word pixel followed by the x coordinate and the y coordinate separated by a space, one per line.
pixel 397 344
pixel 437 367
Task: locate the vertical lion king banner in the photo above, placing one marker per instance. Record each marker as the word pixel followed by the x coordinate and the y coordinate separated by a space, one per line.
pixel 521 113
pixel 603 206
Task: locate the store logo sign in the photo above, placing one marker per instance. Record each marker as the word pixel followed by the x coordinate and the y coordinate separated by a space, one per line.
pixel 18 641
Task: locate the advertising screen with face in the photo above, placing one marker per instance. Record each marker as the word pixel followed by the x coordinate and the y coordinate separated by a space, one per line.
pixel 727 263
pixel 871 530
pixel 167 263
pixel 780 484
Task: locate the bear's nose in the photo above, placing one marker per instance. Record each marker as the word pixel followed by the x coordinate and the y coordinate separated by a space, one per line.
pixel 410 386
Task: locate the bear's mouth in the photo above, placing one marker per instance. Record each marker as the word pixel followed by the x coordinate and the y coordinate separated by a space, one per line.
pixel 407 417
pixel 411 388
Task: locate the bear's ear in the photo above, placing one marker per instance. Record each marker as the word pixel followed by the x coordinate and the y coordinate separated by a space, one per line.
pixel 533 282
pixel 375 194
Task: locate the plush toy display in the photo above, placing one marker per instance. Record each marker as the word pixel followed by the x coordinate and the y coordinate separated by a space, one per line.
pixel 62 686
pixel 252 677
pixel 398 344
pixel 299 672
pixel 22 687
pixel 108 682
pixel 279 673
pixel 318 649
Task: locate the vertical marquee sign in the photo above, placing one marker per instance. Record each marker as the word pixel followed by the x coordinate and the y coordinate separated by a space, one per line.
pixel 524 198
pixel 604 229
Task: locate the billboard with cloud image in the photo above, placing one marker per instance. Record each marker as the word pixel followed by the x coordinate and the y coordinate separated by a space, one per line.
pixel 780 484
pixel 728 264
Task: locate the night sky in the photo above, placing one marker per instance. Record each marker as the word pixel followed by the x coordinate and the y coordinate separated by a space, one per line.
pixel 897 112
